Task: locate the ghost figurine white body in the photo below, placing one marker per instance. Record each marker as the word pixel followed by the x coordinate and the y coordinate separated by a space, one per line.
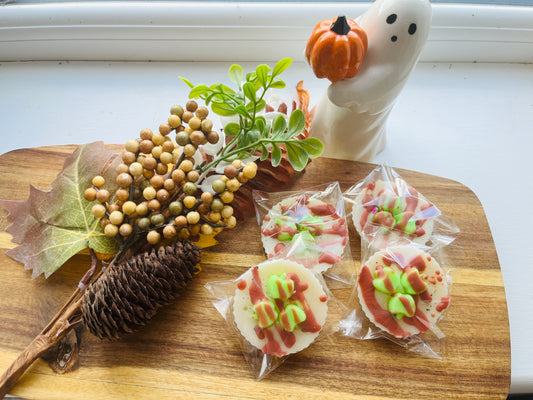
pixel 351 117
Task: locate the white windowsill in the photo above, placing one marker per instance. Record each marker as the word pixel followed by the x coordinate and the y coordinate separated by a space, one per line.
pixel 461 120
pixel 226 31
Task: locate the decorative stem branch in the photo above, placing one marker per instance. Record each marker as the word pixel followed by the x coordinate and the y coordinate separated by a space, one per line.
pixel 66 319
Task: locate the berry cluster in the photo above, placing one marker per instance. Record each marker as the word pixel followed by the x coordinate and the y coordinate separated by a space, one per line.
pixel 158 183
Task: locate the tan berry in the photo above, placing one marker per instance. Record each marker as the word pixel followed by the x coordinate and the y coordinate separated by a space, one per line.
pixel 154 205
pixel 142 208
pixel 227 211
pixel 231 222
pixel 249 170
pixel 186 165
pixel 207 125
pixel 162 195
pixel 174 121
pixel 227 196
pixel 213 137
pixel 98 181
pixel 191 105
pixel 193 217
pixel 136 169
pixel 132 146
pixel 180 221
pixel 189 150
pixel 187 115
pixel 195 123
pixel 149 163
pixel 98 210
pixel 178 175
pixel 148 174
pixel 164 129
pixel 161 168
pixel 169 184
pixel 193 176
pixel 202 112
pixel 207 229
pixel 146 134
pixel 102 195
pixel 112 207
pixel 124 180
pixel 128 157
pixel 157 151
pixel 168 146
pixel 129 207
pixel 90 194
pixel 116 217
pixel 230 171
pixel 169 231
pixel 207 197
pixel 203 208
pixel 197 138
pixel 214 216
pixel 189 201
pixel 111 230
pixel 146 146
pixel 166 158
pixel 157 181
pixel 125 230
pixel 184 234
pixel 233 185
pixel 153 237
pixel 149 193
pixel 194 229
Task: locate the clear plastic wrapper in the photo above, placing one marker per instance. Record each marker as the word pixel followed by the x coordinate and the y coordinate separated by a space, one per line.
pixel 387 211
pixel 277 308
pixel 402 292
pixel 317 215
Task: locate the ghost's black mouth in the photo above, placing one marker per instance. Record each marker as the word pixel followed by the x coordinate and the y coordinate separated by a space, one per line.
pixel 394 38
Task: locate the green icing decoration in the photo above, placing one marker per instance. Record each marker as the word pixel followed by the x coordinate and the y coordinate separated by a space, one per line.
pixel 397 308
pixel 309 224
pixel 280 287
pixel 294 316
pixel 404 279
pixel 382 276
pixel 265 313
pixel 289 222
pixel 410 227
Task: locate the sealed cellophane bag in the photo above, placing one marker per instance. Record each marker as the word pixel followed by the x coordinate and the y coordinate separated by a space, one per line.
pixel 278 307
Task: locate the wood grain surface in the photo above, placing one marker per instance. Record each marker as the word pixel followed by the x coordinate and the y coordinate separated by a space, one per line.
pixel 188 352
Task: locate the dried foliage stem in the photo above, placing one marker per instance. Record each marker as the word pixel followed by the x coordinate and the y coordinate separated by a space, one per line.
pixel 66 319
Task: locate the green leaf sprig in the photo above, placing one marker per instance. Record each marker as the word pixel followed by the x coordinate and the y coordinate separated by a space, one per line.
pixel 252 132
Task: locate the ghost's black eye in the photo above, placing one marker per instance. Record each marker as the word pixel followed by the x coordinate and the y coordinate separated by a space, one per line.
pixel 412 29
pixel 391 18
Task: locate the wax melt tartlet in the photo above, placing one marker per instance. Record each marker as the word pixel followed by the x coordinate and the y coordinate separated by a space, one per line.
pixel 279 307
pixel 403 290
pixel 317 222
pixel 399 214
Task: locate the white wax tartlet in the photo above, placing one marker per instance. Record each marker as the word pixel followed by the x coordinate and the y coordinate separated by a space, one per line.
pixel 394 216
pixel 403 291
pixel 279 307
pixel 316 221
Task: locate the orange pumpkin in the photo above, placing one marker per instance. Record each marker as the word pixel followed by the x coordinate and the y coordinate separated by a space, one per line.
pixel 336 48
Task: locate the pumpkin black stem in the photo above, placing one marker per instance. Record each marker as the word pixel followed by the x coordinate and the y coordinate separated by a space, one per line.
pixel 340 26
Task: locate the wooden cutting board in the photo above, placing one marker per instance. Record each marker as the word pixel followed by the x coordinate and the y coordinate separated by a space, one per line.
pixel 187 351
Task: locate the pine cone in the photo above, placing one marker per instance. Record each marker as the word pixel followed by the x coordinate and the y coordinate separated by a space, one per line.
pixel 130 293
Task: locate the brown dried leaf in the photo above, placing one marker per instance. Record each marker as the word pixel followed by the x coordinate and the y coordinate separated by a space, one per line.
pixel 52 226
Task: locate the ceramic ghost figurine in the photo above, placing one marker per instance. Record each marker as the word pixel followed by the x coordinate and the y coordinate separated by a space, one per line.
pixel 351 116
